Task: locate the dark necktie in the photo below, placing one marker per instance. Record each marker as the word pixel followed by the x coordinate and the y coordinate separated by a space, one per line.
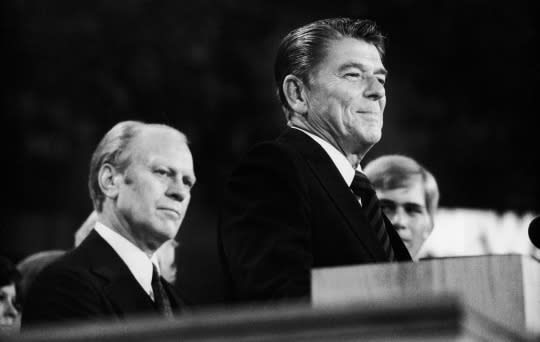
pixel 361 186
pixel 160 296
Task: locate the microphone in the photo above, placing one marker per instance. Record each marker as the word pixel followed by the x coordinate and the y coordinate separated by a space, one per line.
pixel 534 231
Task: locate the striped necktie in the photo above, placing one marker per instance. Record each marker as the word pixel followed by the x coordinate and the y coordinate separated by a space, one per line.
pixel 160 296
pixel 361 186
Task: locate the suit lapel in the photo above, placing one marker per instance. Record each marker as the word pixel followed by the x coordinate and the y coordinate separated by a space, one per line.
pixel 119 285
pixel 334 184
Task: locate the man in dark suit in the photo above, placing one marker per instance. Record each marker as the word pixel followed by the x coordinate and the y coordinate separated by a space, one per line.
pixel 140 182
pixel 290 206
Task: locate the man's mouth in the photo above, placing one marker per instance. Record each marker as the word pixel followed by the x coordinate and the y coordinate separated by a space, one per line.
pixel 367 111
pixel 405 240
pixel 171 211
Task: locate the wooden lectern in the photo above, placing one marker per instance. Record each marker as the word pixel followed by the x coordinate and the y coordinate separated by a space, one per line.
pixel 377 303
pixel 501 288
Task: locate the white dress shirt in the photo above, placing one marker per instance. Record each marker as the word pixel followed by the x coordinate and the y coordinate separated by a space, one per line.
pixel 135 259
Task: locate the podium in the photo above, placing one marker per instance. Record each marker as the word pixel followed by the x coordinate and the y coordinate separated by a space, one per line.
pixel 504 289
pixel 487 298
pixel 435 319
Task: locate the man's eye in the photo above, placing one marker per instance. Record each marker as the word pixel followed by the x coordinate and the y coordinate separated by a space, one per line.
pixel 414 210
pixel 386 203
pixel 161 172
pixel 188 181
pixel 17 304
pixel 353 75
pixel 382 80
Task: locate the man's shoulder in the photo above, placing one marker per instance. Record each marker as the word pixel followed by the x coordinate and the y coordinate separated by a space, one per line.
pixel 69 268
pixel 67 289
pixel 268 159
pixel 77 263
pixel 295 138
pixel 291 144
pixel 277 170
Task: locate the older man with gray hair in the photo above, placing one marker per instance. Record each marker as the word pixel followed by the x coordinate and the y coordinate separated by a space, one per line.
pixel 141 176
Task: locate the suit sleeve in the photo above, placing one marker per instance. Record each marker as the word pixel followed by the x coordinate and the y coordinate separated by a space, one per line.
pixel 265 232
pixel 58 295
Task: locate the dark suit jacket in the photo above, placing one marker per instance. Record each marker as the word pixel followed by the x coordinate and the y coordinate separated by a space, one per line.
pixel 287 210
pixel 88 283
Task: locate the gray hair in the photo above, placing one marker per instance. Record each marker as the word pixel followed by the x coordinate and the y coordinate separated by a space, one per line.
pixel 113 150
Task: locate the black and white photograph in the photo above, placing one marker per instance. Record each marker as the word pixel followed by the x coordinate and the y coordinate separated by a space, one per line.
pixel 270 171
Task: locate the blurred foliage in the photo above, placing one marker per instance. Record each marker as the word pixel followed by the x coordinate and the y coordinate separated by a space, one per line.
pixel 462 97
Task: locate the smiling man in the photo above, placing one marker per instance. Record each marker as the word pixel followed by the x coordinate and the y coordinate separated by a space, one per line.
pixel 140 182
pixel 409 196
pixel 290 206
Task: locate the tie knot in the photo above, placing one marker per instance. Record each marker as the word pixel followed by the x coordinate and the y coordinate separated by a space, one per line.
pixel 361 183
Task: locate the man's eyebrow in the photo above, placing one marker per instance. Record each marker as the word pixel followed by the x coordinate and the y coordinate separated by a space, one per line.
pixel 379 71
pixel 414 205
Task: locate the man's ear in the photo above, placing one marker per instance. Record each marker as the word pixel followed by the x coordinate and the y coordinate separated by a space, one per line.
pixel 295 93
pixel 109 180
pixel 429 229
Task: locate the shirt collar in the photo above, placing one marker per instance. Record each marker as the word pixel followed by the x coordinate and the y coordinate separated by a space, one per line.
pixel 135 259
pixel 339 160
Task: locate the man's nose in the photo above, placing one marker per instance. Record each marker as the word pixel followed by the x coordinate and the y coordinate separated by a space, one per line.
pixel 399 219
pixel 178 190
pixel 11 310
pixel 374 89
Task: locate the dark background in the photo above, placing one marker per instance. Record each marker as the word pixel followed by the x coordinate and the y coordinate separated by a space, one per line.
pixel 462 99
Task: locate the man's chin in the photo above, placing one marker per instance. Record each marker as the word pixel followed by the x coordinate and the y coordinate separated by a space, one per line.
pixel 407 243
pixel 168 234
pixel 370 138
pixel 171 230
pixel 374 136
pixel 163 233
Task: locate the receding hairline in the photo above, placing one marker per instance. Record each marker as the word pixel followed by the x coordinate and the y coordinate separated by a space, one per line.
pixel 147 129
pixel 150 128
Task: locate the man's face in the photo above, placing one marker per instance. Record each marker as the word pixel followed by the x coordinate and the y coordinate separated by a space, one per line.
pixel 406 209
pixel 166 255
pixel 155 190
pixel 346 96
pixel 8 306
